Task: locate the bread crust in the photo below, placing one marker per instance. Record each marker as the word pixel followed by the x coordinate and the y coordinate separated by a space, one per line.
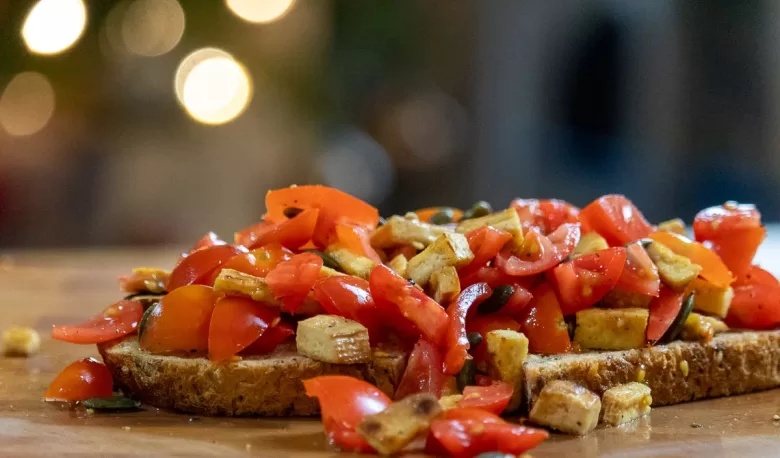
pixel 268 385
pixel 729 364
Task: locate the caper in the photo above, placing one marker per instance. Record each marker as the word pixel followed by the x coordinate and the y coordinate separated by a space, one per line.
pixel 443 216
pixel 478 210
pixel 571 324
pixel 327 260
pixel 112 403
pixel 475 339
pixel 497 300
pixel 467 375
pixel 292 212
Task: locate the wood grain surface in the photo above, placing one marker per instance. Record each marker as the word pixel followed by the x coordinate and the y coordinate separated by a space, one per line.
pixel 41 288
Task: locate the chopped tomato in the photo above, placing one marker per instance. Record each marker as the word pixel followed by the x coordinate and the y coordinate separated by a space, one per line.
pixel 292 233
pixel 197 267
pixel 585 280
pixel 344 401
pixel 257 262
pixel 738 248
pixel 757 276
pixel 249 235
pixel 640 274
pixel 423 372
pixel 207 241
pixel 517 302
pixel 180 322
pixel 616 219
pixel 457 343
pixel 663 310
pixel 292 280
pixel 335 207
pixel 237 322
pixel 539 253
pixel 543 324
pixel 485 243
pixel 469 438
pixel 356 239
pixel 395 294
pixel 350 297
pixel 545 215
pixel 470 413
pixel 712 267
pixel 81 380
pixel 424 214
pixel 493 398
pixel 118 320
pixel 755 306
pixel 269 340
pixel 486 323
pixel 713 222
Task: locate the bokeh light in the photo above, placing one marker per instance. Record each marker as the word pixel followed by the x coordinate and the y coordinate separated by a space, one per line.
pixel 27 104
pixel 152 27
pixel 260 11
pixel 212 86
pixel 52 26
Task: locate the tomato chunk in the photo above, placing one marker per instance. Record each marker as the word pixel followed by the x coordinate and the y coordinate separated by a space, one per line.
pixel 738 248
pixel 81 380
pixel 543 324
pixel 539 253
pixel 356 239
pixel 237 322
pixel 545 215
pixel 616 219
pixel 423 372
pixel 350 297
pixel 469 438
pixel 457 343
pixel 757 276
pixel 492 398
pixel 180 322
pixel 640 274
pixel 713 222
pixel 755 306
pixel 207 241
pixel 663 311
pixel 269 340
pixel 292 280
pixel 712 267
pixel 587 279
pixel 197 267
pixel 116 321
pixel 485 243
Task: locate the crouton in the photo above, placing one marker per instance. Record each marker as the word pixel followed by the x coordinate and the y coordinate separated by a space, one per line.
pixel 506 221
pixel 611 329
pixel 703 328
pixel 626 403
pixel 448 250
pixel 233 281
pixel 710 299
pixel 406 231
pixel 445 285
pixel 507 351
pixel 333 339
pixel 398 265
pixel 676 271
pixel 21 341
pixel 589 243
pixel 675 225
pixel 391 430
pixel 351 263
pixel 567 407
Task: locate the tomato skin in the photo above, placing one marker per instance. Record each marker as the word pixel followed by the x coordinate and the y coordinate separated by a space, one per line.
pixel 356 239
pixel 757 276
pixel 394 294
pixel 237 322
pixel 81 380
pixel 640 274
pixel 712 267
pixel 292 280
pixel 350 297
pixel 116 321
pixel 485 243
pixel 616 219
pixel 714 222
pixel 344 401
pixel 738 248
pixel 755 307
pixel 492 398
pixel 423 373
pixel 197 267
pixel 539 253
pixel 207 241
pixel 585 280
pixel 291 233
pixel 180 322
pixel 469 438
pixel 543 324
pixel 663 311
pixel 457 344
pixel 545 215
pixel 269 340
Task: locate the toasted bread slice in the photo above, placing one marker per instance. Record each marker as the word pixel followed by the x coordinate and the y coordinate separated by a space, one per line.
pixel 269 385
pixel 729 364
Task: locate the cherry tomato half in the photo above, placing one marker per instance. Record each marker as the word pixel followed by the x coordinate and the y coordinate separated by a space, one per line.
pixel 712 267
pixel 539 253
pixel 179 323
pixel 543 324
pixel 457 344
pixel 469 438
pixel 237 322
pixel 545 215
pixel 207 241
pixel 350 297
pixel 292 233
pixel 485 243
pixel 492 398
pixel 81 380
pixel 269 340
pixel 356 239
pixel 757 276
pixel 714 222
pixel 118 320
pixel 423 373
pixel 197 267
pixel 292 280
pixel 755 307
pixel 738 248
pixel 663 310
pixel 616 219
pixel 585 280
pixel 640 275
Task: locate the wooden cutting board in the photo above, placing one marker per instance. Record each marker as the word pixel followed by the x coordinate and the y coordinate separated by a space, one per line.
pixel 41 288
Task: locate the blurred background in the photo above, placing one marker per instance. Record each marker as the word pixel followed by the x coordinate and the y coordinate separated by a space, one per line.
pixel 153 121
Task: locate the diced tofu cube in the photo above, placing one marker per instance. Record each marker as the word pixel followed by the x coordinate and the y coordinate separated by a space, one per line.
pixel 350 262
pixel 675 225
pixel 567 407
pixel 21 341
pixel 391 430
pixel 406 231
pixel 507 351
pixel 448 250
pixel 333 339
pixel 626 403
pixel 398 265
pixel 611 329
pixel 445 285
pixel 698 327
pixel 620 298
pixel 709 298
pixel 590 243
pixel 233 281
pixel 675 271
pixel 506 220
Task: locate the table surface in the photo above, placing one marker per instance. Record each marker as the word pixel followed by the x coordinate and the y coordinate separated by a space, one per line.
pixel 41 288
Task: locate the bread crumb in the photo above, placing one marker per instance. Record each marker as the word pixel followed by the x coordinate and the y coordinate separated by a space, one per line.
pixel 21 341
pixel 776 418
pixel 90 411
pixel 248 447
pixel 126 428
pixel 695 425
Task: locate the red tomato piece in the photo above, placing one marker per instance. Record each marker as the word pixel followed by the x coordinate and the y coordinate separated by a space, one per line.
pixel 356 239
pixel 616 219
pixel 539 253
pixel 585 280
pixel 755 306
pixel 269 340
pixel 350 297
pixel 485 243
pixel 292 280
pixel 757 276
pixel 207 241
pixel 640 274
pixel 457 343
pixel 712 267
pixel 292 233
pixel 237 322
pixel 118 320
pixel 713 222
pixel 469 438
pixel 81 380
pixel 663 310
pixel 392 292
pixel 344 401
pixel 424 214
pixel 493 398
pixel 249 235
pixel 543 324
pixel 257 262
pixel 545 215
pixel 180 322
pixel 738 248
pixel 517 301
pixel 197 267
pixel 423 372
